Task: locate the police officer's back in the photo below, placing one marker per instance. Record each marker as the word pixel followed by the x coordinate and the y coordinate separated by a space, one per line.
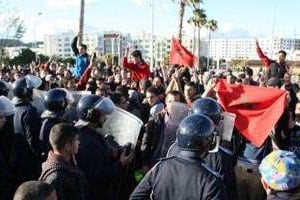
pixel 95 159
pixel 7 132
pixel 211 108
pixel 185 176
pixel 27 127
pixel 55 103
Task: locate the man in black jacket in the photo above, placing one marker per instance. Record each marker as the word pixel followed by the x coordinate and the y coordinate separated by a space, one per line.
pixel 27 127
pixel 185 176
pixel 55 102
pixel 59 170
pixel 100 162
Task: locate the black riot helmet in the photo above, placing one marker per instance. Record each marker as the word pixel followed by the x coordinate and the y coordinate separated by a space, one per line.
pixel 56 100
pixel 209 107
pixel 22 88
pixel 3 89
pixel 91 107
pixel 195 133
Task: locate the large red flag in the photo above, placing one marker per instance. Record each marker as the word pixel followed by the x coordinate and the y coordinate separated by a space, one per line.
pixel 257 108
pixel 180 55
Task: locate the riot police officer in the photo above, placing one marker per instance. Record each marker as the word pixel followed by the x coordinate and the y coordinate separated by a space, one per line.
pixel 7 181
pixel 55 103
pixel 27 128
pixel 96 159
pixel 7 131
pixel 185 176
pixel 3 88
pixel 210 107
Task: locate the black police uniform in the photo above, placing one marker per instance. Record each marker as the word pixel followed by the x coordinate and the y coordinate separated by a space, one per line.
pixel 220 163
pixel 49 120
pixel 180 177
pixel 95 161
pixel 6 137
pixel 27 127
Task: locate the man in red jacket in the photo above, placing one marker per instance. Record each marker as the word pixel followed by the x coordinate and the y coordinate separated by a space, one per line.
pixel 139 69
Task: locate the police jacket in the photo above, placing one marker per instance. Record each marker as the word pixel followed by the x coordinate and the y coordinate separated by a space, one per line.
pixel 95 160
pixel 283 195
pixel 26 144
pixel 181 177
pixel 49 120
pixel 27 123
pixel 6 137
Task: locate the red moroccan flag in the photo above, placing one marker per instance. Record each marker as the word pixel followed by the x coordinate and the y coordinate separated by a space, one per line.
pixel 180 55
pixel 257 109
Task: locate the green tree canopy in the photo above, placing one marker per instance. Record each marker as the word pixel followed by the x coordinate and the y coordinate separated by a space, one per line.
pixel 26 56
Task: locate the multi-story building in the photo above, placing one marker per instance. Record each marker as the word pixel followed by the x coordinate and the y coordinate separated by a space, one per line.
pixel 114 43
pixel 229 49
pixel 161 46
pixel 60 44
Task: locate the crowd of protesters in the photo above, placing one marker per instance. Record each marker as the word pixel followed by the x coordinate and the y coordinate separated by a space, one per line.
pixel 61 154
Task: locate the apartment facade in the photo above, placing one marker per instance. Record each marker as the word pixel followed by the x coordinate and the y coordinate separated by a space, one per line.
pixel 229 49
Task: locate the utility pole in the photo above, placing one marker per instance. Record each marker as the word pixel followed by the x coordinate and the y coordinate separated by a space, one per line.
pixel 152 38
pixel 81 22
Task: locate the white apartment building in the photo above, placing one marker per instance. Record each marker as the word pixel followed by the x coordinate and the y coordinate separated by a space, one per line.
pixel 161 46
pixel 60 44
pixel 229 49
pixel 114 43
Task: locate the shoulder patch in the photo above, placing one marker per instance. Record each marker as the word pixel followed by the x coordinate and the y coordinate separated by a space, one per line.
pixel 166 158
pixel 213 172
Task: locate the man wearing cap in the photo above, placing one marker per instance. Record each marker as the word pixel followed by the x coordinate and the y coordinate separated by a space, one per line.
pixel 138 67
pixel 280 175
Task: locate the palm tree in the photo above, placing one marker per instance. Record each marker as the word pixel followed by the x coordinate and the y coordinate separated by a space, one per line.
pixel 211 25
pixel 198 20
pixel 182 6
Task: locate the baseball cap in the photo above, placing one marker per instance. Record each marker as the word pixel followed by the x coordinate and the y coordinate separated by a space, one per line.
pixel 280 170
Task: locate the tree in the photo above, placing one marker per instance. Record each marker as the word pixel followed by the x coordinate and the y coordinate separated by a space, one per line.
pixel 12 26
pixel 43 58
pixel 182 6
pixel 70 60
pixel 211 25
pixel 199 20
pixel 26 56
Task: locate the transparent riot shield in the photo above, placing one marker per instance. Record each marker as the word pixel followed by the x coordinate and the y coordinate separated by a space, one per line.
pixel 123 126
pixel 78 94
pixel 33 81
pixel 38 100
pixel 177 112
pixel 227 126
pixel 6 106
